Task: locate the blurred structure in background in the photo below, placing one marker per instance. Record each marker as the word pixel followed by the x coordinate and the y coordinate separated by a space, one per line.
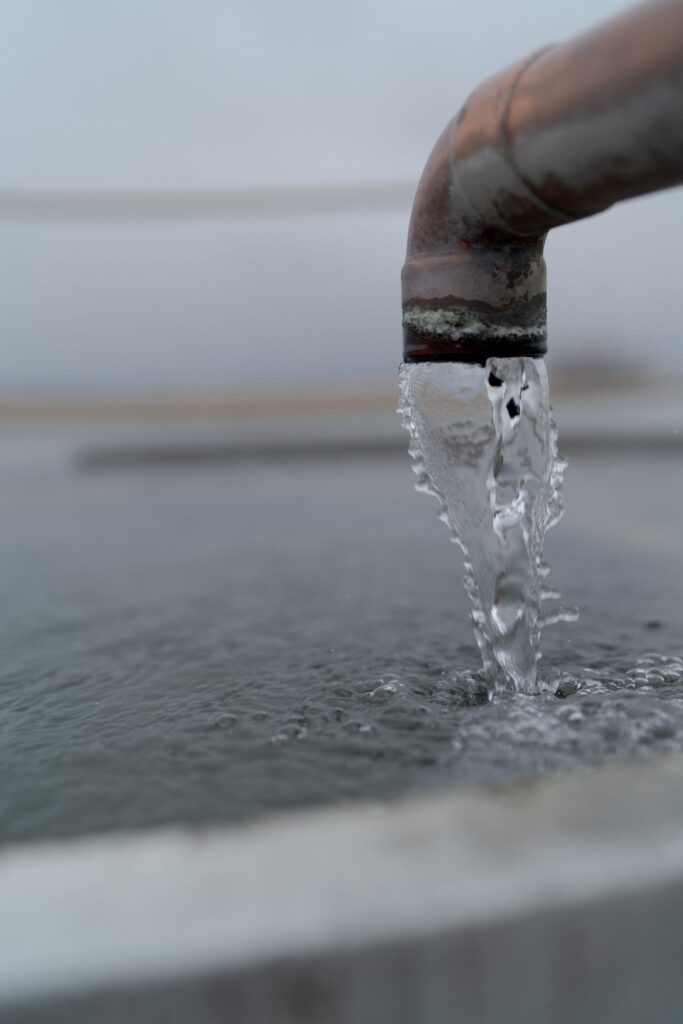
pixel 201 200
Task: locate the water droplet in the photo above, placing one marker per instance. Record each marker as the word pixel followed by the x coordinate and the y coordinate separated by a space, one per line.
pixel 224 722
pixel 383 692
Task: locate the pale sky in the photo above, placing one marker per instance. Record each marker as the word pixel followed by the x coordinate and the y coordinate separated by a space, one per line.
pixel 202 93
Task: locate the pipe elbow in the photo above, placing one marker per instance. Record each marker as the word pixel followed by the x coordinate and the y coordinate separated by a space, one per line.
pixel 474 282
pixel 560 136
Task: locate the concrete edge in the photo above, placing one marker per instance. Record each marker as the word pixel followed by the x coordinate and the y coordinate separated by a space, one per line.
pixel 118 913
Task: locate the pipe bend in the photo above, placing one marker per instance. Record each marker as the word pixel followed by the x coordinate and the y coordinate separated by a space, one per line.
pixel 556 137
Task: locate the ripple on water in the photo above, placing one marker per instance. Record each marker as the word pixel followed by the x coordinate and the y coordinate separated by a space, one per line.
pixel 213 752
pixel 469 735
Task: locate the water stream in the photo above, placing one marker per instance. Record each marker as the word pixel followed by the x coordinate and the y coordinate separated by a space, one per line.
pixel 484 443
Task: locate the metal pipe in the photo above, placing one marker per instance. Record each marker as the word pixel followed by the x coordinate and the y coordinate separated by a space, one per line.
pixel 557 137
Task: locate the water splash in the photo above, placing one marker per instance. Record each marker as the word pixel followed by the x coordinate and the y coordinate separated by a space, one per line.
pixel 484 443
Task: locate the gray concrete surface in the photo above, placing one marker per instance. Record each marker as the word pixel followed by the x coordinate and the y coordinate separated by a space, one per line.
pixel 560 902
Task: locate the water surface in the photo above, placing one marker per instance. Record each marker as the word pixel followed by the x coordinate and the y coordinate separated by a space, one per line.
pixel 210 645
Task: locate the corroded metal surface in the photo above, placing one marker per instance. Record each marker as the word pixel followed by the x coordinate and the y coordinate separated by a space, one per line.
pixel 557 137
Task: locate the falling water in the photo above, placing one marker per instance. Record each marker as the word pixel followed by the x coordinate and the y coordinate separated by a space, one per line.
pixel 484 443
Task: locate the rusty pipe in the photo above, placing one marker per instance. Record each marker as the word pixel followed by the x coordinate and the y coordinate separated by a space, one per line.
pixel 557 137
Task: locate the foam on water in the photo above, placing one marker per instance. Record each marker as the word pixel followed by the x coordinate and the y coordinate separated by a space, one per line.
pixel 484 443
pixel 603 713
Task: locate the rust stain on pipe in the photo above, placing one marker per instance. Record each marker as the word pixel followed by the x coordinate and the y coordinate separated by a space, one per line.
pixel 559 136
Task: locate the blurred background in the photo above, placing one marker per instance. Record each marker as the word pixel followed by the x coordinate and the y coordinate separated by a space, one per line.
pixel 203 205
